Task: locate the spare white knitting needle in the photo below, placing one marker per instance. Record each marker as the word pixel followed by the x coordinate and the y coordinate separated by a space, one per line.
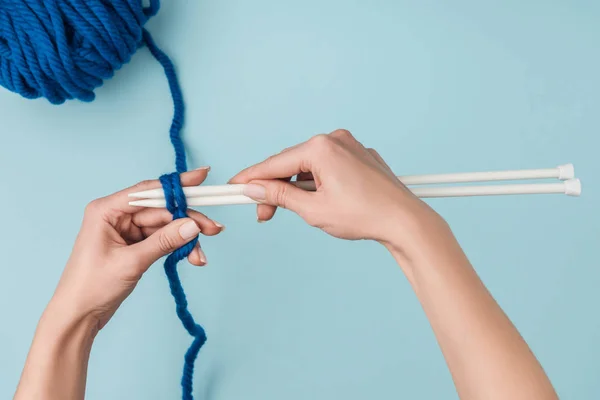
pixel 571 187
pixel 562 172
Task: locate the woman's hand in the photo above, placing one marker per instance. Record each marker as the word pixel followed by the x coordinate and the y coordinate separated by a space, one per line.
pixel 358 196
pixel 117 244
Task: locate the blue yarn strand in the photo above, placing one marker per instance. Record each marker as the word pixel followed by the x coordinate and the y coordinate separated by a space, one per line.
pixel 177 123
pixel 177 205
pixel 63 50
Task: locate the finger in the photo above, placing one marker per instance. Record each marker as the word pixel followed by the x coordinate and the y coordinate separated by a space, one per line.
pixel 290 148
pixel 120 200
pixel 197 256
pixel 286 164
pixel 265 212
pixel 158 217
pixel 147 232
pixel 133 234
pixel 280 194
pixel 163 242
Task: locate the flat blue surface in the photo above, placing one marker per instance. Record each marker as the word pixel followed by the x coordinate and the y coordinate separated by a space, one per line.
pixel 290 313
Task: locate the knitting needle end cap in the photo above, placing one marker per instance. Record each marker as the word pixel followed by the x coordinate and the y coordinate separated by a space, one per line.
pixel 566 171
pixel 573 187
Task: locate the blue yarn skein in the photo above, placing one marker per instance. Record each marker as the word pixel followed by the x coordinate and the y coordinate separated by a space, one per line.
pixel 65 49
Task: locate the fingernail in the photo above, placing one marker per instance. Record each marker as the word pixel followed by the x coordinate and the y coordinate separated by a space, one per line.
pixel 205 168
pixel 255 192
pixel 189 230
pixel 202 256
pixel 219 225
pixel 261 221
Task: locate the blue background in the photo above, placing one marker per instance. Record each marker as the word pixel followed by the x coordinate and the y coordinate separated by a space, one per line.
pixel 290 313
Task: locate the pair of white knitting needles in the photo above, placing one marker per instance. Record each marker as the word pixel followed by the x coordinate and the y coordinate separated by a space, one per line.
pixel 199 196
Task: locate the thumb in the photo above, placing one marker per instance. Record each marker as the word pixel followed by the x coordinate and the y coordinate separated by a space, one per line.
pixel 281 194
pixel 165 241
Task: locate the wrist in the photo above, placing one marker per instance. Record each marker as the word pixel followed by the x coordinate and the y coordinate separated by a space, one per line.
pixel 63 323
pixel 413 231
pixel 423 245
pixel 57 362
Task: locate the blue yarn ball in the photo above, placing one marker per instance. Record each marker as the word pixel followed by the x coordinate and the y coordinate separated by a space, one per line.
pixel 64 49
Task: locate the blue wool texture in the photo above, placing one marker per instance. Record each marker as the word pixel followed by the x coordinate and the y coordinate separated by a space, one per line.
pixel 65 49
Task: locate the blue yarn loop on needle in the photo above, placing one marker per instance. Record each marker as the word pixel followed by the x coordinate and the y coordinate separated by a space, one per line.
pixel 65 49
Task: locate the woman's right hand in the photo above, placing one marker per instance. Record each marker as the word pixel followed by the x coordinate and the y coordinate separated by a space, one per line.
pixel 357 197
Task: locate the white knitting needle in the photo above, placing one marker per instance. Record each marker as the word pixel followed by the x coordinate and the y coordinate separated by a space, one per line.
pixel 571 187
pixel 562 172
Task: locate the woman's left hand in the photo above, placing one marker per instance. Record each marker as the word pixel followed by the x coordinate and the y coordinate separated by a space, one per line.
pixel 117 243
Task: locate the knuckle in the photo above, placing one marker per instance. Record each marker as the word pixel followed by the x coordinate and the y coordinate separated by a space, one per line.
pixel 93 207
pixel 342 134
pixel 166 243
pixel 322 142
pixel 280 195
pixel 320 139
pixel 266 164
pixel 143 184
pixel 269 160
pixel 288 149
